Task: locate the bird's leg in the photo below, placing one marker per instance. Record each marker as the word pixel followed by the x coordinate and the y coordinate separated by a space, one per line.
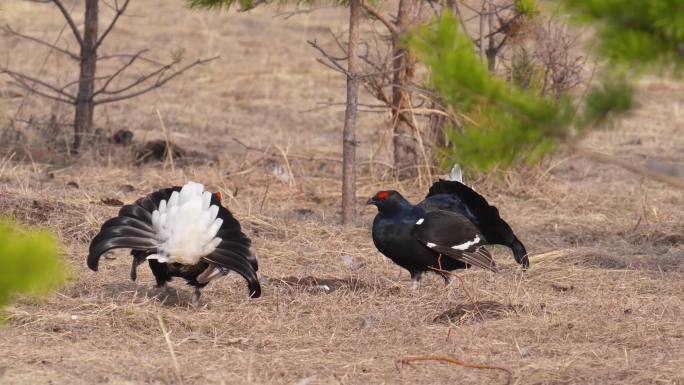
pixel 164 288
pixel 415 279
pixel 138 258
pixel 196 297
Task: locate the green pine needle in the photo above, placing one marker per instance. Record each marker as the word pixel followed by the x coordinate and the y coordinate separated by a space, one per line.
pixel 503 124
pixel 30 262
pixel 637 34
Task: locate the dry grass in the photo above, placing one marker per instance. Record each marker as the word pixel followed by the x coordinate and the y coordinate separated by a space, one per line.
pixel 602 303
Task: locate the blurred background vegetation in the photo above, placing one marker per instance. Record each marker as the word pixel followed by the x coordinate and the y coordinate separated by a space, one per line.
pixel 503 122
pixel 30 261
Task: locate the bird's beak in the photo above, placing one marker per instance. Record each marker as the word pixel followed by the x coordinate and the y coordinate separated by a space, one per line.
pixel 371 201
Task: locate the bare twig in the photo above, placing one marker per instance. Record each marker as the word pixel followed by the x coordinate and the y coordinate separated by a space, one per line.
pixel 461 283
pixel 118 72
pixel 630 166
pixel 74 82
pixel 288 14
pixel 455 361
pixel 22 80
pixel 7 29
pixel 119 11
pixel 394 30
pixel 69 20
pixel 142 79
pixel 270 153
pixel 169 345
pixel 291 179
pixel 128 56
pixel 168 151
pixel 457 10
pixel 481 32
pixel 332 62
pixel 158 83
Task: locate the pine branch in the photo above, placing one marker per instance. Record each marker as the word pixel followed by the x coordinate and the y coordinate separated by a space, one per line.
pixel 629 166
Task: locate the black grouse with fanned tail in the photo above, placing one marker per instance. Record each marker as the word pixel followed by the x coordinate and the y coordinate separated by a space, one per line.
pixel 444 232
pixel 182 232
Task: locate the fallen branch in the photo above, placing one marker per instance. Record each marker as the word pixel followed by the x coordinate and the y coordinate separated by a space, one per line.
pixel 629 166
pixel 454 361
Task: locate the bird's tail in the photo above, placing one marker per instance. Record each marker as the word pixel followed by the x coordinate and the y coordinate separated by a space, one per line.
pixel 122 232
pixel 179 225
pixel 485 216
pixel 520 253
pixel 237 262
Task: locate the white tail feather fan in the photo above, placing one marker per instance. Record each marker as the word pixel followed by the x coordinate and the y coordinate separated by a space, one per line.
pixel 186 226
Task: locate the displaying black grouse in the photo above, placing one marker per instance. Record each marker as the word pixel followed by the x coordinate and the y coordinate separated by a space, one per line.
pixel 446 231
pixel 182 232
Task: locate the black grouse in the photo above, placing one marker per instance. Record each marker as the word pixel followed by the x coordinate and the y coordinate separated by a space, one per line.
pixel 182 232
pixel 446 231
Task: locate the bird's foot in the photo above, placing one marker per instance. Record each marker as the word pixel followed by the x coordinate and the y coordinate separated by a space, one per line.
pixel 448 279
pixel 163 292
pixel 415 284
pixel 415 279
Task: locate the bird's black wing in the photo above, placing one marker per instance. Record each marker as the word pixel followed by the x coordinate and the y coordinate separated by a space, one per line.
pixel 130 229
pixel 232 237
pixel 233 253
pixel 229 259
pixel 457 197
pixel 453 235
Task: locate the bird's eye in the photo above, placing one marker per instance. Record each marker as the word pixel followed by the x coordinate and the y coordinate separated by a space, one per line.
pixel 382 195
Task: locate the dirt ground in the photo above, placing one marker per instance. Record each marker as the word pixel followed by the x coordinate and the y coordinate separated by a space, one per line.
pixel 602 303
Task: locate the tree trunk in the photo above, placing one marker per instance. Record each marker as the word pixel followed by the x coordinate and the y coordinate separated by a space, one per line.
pixel 406 153
pixel 491 49
pixel 83 121
pixel 349 131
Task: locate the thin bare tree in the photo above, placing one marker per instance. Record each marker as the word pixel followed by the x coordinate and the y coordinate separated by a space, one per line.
pixel 349 130
pixel 91 90
pixel 354 76
pixel 405 145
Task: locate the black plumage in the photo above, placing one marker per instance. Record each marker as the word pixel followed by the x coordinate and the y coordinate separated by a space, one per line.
pixel 133 229
pixel 457 197
pixel 446 231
